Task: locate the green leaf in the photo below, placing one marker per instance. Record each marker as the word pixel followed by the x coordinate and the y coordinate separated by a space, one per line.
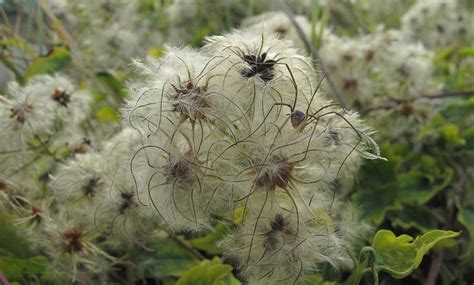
pixel 466 217
pixel 55 61
pixel 376 202
pixel 389 185
pixel 209 272
pixel 466 51
pixel 107 114
pixel 469 138
pixel 313 279
pixel 200 34
pixel 111 82
pixel 10 240
pixel 400 255
pixel 417 217
pixel 450 133
pixel 414 187
pixel 209 242
pixel 169 260
pixel 16 268
pixel 377 172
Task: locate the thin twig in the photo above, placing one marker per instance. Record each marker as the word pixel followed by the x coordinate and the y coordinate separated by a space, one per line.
pixel 187 247
pixel 3 279
pixel 434 268
pixel 395 102
pixel 313 51
pixel 460 189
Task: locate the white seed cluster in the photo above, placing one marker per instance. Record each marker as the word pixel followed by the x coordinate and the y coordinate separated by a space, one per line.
pixel 240 126
pixel 235 133
pixel 48 109
pixel 375 67
pixel 379 69
pixel 438 23
pixel 41 123
pixel 109 33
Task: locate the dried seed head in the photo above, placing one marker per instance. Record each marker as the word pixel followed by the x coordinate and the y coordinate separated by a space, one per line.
pixel 37 213
pixel 127 201
pixel 91 186
pixel 281 228
pixel 61 97
pixel 179 168
pixel 350 83
pixel 72 240
pixel 347 57
pixel 191 102
pixel 36 210
pixel 20 112
pixel 276 171
pixel 369 55
pixel 333 138
pixel 258 66
pixel 281 32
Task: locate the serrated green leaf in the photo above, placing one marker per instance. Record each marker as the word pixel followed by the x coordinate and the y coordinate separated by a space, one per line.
pixel 417 217
pixel 414 187
pixel 55 61
pixel 400 255
pixel 375 203
pixel 209 272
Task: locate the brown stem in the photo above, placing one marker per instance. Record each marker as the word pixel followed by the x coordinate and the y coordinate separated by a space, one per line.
pixel 313 51
pixel 3 279
pixel 434 268
pixel 395 102
pixel 460 189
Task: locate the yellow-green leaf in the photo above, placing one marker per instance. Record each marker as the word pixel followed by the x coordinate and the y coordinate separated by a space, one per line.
pixel 400 255
pixel 16 268
pixel 107 114
pixel 209 272
pixel 209 242
pixel 11 241
pixel 55 61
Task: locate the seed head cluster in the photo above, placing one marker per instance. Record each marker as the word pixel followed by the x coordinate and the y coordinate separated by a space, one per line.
pixel 238 127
